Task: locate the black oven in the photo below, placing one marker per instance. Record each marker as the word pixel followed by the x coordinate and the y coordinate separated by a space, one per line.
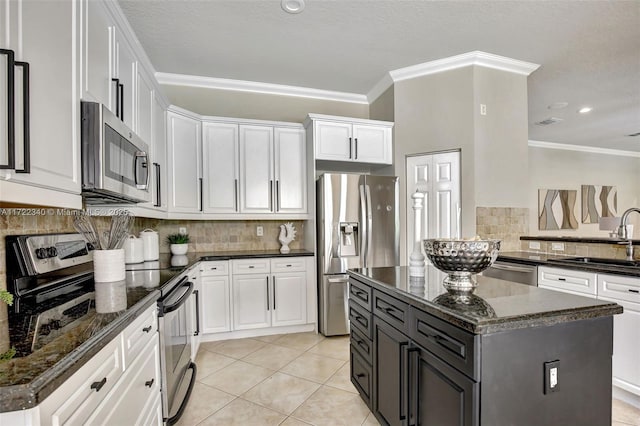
pixel 176 331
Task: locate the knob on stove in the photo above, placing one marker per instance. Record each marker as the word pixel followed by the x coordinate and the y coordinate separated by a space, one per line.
pixel 52 252
pixel 41 253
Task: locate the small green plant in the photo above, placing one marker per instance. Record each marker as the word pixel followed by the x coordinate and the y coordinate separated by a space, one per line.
pixel 177 238
pixel 6 356
pixel 6 297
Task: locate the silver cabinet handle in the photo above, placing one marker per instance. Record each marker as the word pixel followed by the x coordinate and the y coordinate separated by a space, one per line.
pixel 236 195
pixel 267 293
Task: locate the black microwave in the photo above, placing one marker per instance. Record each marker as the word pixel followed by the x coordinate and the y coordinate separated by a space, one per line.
pixel 114 159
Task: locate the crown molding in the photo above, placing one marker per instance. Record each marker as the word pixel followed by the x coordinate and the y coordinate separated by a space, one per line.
pixel 583 148
pixel 478 58
pixel 257 87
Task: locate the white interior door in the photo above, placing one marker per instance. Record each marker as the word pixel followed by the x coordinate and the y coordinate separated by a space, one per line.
pixel 437 176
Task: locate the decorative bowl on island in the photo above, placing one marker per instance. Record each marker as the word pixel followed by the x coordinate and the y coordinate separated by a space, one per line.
pixel 460 259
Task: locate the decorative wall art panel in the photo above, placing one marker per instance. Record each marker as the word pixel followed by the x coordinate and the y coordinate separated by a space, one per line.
pixel 556 209
pixel 597 202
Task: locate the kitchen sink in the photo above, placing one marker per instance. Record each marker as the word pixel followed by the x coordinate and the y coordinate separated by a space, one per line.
pixel 596 261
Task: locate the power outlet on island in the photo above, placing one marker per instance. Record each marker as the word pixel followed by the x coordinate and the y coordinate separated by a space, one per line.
pixel 259 231
pixel 551 383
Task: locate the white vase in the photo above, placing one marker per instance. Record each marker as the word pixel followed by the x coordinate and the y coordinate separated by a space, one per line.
pixel 179 249
pixel 108 265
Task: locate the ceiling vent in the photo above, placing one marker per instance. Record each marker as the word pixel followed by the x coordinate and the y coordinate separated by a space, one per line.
pixel 550 120
pixel 634 134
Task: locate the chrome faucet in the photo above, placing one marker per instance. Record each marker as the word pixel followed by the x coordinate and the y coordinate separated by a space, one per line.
pixel 622 230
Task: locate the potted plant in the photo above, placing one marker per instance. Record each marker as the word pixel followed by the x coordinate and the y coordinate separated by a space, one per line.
pixel 178 243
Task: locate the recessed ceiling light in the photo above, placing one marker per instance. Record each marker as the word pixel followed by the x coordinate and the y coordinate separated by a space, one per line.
pixel 292 6
pixel 558 105
pixel 585 110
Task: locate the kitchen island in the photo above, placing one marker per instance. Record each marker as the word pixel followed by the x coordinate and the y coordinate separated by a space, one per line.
pixel 514 355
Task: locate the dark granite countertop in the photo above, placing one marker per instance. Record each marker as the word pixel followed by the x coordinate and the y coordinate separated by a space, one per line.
pixel 541 259
pixel 585 240
pixel 496 305
pixel 29 377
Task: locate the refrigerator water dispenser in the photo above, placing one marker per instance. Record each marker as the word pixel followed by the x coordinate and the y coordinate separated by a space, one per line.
pixel 348 239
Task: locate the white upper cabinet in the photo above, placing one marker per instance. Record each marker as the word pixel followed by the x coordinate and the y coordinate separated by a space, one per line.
pixel 290 164
pixel 351 139
pixel 124 80
pixel 184 163
pixel 257 187
pixel 97 32
pixel 220 162
pixel 41 35
pixel 144 106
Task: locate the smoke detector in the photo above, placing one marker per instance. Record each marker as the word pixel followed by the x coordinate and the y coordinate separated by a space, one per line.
pixel 550 120
pixel 292 6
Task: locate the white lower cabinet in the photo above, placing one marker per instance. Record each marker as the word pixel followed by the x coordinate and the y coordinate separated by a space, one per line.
pixel 119 385
pixel 135 398
pixel 567 281
pixel 269 298
pixel 625 291
pixel 215 299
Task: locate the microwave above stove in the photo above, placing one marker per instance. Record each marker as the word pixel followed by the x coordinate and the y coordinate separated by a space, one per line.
pixel 115 161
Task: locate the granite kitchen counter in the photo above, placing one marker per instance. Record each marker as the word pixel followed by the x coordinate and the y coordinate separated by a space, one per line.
pixel 496 305
pixel 560 261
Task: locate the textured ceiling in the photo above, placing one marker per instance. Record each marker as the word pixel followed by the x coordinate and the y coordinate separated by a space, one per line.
pixel 589 51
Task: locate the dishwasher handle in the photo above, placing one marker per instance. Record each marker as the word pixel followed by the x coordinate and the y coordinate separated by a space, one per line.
pixel 503 267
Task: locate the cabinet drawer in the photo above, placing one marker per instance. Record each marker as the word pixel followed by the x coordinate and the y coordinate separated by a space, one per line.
pixel 250 266
pixel 618 287
pixel 135 394
pixel 567 280
pixel 451 344
pixel 360 319
pixel 218 267
pixel 288 264
pixel 392 310
pixel 75 400
pixel 361 376
pixel 360 293
pixel 361 344
pixel 141 331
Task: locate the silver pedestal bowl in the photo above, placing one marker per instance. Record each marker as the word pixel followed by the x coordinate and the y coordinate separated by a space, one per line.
pixel 460 260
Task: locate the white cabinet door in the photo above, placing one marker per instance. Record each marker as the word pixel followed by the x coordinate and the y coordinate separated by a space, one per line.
pixel 372 144
pixel 184 162
pixel 626 347
pixel 125 71
pixel 96 36
pixel 144 106
pixel 158 156
pixel 256 168
pixel 220 162
pixel 215 304
pixel 251 307
pixel 135 395
pixel 290 161
pixel 333 141
pixel 46 30
pixel 289 299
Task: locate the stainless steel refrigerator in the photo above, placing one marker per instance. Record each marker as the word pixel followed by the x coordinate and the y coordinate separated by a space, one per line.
pixel 358 227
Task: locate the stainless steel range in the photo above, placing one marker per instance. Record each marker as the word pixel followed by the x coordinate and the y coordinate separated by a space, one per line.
pixel 51 278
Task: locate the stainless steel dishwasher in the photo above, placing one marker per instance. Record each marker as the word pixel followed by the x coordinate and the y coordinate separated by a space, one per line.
pixel 512 271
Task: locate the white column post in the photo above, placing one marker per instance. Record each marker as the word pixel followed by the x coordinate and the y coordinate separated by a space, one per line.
pixel 416 260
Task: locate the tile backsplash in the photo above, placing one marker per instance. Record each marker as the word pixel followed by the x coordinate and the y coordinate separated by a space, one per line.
pixel 232 235
pixel 507 224
pixel 612 251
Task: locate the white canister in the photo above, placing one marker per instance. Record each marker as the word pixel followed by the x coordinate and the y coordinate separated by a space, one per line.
pixel 133 250
pixel 151 244
pixel 108 265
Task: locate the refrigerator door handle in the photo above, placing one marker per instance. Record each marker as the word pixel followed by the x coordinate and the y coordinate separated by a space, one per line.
pixel 369 224
pixel 363 225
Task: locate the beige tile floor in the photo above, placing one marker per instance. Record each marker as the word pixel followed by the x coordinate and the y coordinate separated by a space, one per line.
pixel 290 380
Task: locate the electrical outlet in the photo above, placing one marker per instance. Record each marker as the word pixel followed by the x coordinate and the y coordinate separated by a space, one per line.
pixel 259 231
pixel 557 246
pixel 534 245
pixel 551 370
pixel 182 230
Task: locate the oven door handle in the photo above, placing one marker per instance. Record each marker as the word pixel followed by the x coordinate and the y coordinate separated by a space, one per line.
pixel 165 309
